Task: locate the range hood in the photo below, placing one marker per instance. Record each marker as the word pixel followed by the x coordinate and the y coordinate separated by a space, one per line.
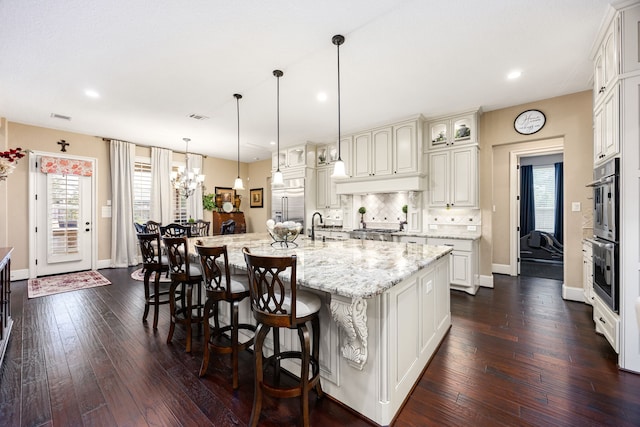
pixel 391 184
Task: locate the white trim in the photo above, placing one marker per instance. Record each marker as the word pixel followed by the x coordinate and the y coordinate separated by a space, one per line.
pixel 33 175
pixel 556 146
pixel 22 274
pixel 104 263
pixel 572 294
pixel 486 281
pixel 501 269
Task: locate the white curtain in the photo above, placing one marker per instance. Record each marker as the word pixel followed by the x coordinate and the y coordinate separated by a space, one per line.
pixel 194 203
pixel 161 191
pixel 124 244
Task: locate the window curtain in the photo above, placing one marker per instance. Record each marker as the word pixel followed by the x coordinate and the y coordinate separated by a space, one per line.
pixel 194 203
pixel 527 202
pixel 559 212
pixel 161 190
pixel 124 246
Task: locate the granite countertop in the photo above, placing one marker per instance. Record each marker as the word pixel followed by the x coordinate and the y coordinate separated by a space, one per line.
pixel 351 268
pixel 444 234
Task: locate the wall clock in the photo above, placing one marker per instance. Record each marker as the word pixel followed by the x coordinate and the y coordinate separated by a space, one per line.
pixel 529 122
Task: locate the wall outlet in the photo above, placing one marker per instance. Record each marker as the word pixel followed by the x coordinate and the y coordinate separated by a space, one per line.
pixel 471 228
pixel 433 226
pixel 576 206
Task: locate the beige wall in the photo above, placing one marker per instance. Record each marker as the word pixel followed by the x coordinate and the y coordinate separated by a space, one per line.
pixel 569 118
pixel 14 215
pixel 259 172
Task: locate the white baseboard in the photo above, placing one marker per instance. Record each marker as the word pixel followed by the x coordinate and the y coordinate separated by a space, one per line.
pixel 572 294
pixel 486 281
pixel 19 274
pixel 104 263
pixel 501 269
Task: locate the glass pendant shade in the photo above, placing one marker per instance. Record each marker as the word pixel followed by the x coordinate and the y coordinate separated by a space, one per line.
pixel 339 170
pixel 277 180
pixel 238 185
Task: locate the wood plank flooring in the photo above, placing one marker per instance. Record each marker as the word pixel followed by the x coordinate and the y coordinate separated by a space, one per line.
pixel 516 355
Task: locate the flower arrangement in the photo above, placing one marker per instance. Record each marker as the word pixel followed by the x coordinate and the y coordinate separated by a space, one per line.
pixel 8 161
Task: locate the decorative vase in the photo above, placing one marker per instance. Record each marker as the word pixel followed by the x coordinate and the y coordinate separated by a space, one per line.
pixel 236 202
pixel 218 202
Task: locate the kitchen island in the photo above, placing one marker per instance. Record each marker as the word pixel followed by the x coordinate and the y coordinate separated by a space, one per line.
pixel 386 308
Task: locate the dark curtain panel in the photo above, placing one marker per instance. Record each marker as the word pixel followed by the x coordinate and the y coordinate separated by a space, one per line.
pixel 527 202
pixel 559 214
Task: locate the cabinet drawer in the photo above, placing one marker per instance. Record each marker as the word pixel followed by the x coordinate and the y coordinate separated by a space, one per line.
pixel 607 323
pixel 457 244
pixel 413 239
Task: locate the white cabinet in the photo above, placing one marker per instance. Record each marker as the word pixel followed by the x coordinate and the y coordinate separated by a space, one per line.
pixel 419 240
pixel 391 150
pixel 607 322
pixel 453 130
pixel 372 153
pixel 606 127
pixel 587 271
pixel 630 39
pixel 326 155
pixel 453 177
pixel 463 264
pixel 294 157
pixel 326 196
pixel 606 63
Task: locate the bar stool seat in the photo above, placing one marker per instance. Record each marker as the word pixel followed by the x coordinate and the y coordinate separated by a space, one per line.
pixel 221 286
pixel 276 305
pixel 187 276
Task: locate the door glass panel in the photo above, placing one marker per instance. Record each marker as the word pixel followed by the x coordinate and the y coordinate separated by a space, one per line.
pixel 63 213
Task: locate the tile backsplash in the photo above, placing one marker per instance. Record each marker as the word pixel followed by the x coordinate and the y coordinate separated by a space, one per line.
pixel 384 210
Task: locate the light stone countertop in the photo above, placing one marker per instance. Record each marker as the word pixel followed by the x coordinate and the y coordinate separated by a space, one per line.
pixel 444 234
pixel 351 268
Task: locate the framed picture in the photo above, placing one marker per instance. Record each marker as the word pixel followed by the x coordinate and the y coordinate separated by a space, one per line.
pixel 255 196
pixel 226 193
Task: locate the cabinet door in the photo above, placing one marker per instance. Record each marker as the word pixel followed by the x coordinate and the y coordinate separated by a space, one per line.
pixel 598 78
pixel 345 153
pixel 438 133
pixel 598 126
pixel 610 140
pixel 382 152
pixel 281 157
pixel 464 177
pixel 322 178
pixel 610 54
pixel 405 148
pixel 296 156
pixel 361 148
pixel 460 268
pixel 439 178
pixel 631 37
pixel 464 130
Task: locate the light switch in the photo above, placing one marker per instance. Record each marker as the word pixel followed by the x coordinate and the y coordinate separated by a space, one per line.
pixel 576 207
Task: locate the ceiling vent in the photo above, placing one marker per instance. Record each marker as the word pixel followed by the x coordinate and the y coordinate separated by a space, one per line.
pixel 198 116
pixel 60 116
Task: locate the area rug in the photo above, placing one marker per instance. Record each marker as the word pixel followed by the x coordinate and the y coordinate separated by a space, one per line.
pixel 64 283
pixel 139 275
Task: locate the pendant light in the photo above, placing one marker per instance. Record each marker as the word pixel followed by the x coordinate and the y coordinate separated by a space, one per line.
pixel 238 185
pixel 339 171
pixel 278 180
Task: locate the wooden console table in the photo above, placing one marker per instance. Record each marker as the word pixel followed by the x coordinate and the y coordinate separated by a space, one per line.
pixel 220 217
pixel 5 300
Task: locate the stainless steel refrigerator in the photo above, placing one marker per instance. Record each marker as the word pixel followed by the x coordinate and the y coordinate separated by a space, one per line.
pixel 287 202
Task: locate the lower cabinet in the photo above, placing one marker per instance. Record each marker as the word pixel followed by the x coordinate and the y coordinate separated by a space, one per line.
pixel 587 271
pixel 463 265
pixel 607 322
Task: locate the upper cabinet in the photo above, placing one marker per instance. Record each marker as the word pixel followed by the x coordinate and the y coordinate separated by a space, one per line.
pixel 294 157
pixel 453 177
pixel 606 127
pixel 390 150
pixel 606 62
pixel 630 35
pixel 327 154
pixel 452 130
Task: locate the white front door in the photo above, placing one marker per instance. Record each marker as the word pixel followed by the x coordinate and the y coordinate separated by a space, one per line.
pixel 63 222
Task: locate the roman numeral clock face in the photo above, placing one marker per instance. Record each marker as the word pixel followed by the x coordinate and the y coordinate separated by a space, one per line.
pixel 529 122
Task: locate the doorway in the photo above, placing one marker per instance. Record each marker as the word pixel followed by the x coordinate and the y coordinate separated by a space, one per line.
pixel 61 215
pixel 541 199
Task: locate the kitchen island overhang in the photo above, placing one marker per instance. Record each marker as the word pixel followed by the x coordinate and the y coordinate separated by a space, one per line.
pixel 386 309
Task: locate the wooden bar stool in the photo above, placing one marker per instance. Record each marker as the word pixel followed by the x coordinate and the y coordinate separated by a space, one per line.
pixel 222 286
pixel 275 306
pixel 187 276
pixel 157 264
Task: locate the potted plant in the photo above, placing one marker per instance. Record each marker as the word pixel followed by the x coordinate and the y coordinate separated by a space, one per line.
pixel 362 211
pixel 209 202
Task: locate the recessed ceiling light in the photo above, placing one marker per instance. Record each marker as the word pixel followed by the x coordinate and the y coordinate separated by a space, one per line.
pixel 514 74
pixel 272 143
pixel 322 96
pixel 91 93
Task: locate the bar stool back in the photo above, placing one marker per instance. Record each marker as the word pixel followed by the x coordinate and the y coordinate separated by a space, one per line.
pixel 276 305
pixel 157 264
pixel 187 276
pixel 222 286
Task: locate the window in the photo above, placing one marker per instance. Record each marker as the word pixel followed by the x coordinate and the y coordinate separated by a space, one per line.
pixel 64 212
pixel 544 190
pixel 142 191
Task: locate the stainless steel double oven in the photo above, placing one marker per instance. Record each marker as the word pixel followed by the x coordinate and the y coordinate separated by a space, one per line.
pixel 606 217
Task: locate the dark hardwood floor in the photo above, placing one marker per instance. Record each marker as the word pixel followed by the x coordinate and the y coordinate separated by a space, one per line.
pixel 516 355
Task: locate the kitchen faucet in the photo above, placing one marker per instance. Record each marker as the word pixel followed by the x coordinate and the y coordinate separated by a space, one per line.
pixel 402 224
pixel 313 230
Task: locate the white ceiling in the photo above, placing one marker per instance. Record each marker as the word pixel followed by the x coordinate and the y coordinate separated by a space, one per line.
pixel 156 62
